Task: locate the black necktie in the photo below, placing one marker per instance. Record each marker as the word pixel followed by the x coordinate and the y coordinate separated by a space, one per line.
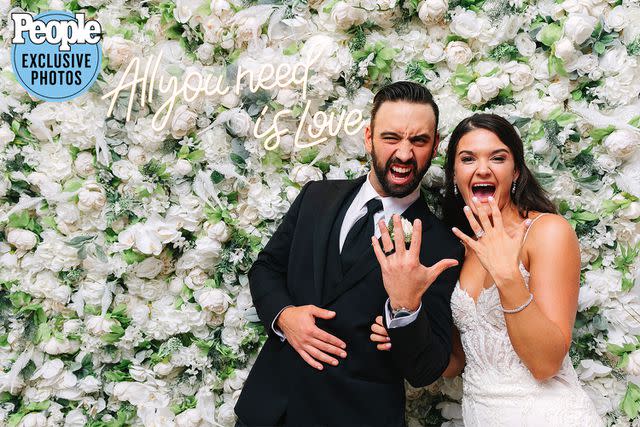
pixel 358 240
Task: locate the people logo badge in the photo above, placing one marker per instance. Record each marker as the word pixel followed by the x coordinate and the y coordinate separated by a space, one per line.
pixel 56 56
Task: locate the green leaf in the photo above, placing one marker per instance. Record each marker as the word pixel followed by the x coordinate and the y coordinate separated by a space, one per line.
pixel 292 49
pixel 116 333
pixel 598 134
pixel 72 185
pixel 216 177
pixel 196 156
pixel 19 299
pixel 630 404
pixel 598 47
pixel 19 220
pixel 550 34
pixel 387 54
pixel 131 256
pixel 584 216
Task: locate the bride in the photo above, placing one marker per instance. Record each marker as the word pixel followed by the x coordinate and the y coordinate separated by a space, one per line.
pixel 515 303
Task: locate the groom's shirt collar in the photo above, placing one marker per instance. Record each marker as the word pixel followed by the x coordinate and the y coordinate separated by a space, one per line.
pixel 391 205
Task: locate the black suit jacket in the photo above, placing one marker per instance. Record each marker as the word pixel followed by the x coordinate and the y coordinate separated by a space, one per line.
pixel 367 387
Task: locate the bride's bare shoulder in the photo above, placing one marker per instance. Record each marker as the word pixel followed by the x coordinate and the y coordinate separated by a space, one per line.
pixel 550 233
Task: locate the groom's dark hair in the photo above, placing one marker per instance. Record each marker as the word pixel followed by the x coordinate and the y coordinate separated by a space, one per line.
pixel 404 91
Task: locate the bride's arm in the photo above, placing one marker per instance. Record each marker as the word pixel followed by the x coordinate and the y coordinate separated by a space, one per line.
pixel 457 360
pixel 541 333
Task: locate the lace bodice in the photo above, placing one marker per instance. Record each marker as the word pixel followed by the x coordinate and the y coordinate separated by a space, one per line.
pixel 498 387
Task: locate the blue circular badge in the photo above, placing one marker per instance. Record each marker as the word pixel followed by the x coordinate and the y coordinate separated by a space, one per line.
pixel 55 55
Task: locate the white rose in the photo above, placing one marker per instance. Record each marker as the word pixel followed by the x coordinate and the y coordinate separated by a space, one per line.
pixel 629 176
pixel 614 60
pixel 458 53
pixel 196 278
pixel 526 47
pixel 586 64
pixel 183 121
pixel 92 290
pixel 559 90
pixel 474 95
pixel 226 414
pixel 218 231
pixel 633 365
pixel 465 24
pixel 22 239
pixel 434 52
pixel 91 197
pixel 520 74
pixel 6 135
pixel 489 87
pixel 302 174
pixel 4 187
pixel 579 26
pixel 189 418
pixel 565 50
pixel 607 163
pixel 630 212
pixel 184 9
pixel 450 410
pixel 432 10
pixel 84 164
pixel 118 50
pixel 163 368
pixel 55 346
pixel 99 325
pixel 239 123
pixel 615 19
pixel 622 143
pixel 89 384
pixel 124 169
pixel 345 16
pixel 213 300
pixel 590 369
pixel 182 167
pixel 33 419
pixel 55 162
pixel 75 418
pixel 540 146
pixel 148 268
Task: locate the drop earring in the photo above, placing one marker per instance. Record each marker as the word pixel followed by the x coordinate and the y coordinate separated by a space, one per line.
pixel 513 187
pixel 455 189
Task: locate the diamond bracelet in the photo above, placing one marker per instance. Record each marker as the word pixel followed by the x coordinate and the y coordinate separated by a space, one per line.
pixel 517 309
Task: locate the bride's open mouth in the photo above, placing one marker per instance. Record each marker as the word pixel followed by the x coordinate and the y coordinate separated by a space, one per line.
pixel 401 174
pixel 483 190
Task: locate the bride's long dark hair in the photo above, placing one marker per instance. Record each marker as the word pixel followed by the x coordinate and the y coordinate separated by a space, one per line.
pixel 529 194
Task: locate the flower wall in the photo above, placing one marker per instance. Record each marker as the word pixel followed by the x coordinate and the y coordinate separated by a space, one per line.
pixel 124 249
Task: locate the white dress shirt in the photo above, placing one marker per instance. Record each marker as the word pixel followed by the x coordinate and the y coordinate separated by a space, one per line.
pixel 358 209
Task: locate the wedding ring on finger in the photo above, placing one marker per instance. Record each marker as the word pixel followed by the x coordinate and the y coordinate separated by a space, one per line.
pixel 389 252
pixel 479 234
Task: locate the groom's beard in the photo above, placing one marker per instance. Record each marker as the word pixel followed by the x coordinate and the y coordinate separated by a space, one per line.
pixel 382 172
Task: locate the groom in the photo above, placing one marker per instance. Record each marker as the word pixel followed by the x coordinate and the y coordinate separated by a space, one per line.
pixel 317 286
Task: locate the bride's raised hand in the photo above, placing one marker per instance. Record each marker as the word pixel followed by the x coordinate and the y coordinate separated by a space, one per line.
pixel 405 279
pixel 497 250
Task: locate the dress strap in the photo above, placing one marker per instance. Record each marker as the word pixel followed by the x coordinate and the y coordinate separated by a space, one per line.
pixel 531 225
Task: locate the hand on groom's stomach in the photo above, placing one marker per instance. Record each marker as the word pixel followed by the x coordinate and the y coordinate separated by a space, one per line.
pixel 314 345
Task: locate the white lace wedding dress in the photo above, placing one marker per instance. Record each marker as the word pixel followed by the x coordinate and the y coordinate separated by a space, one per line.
pixel 498 389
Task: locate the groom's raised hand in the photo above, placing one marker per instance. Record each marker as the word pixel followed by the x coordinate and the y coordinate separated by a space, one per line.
pixel 405 279
pixel 312 343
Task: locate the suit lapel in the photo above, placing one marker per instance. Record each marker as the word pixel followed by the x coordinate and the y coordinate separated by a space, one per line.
pixel 322 229
pixel 368 261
